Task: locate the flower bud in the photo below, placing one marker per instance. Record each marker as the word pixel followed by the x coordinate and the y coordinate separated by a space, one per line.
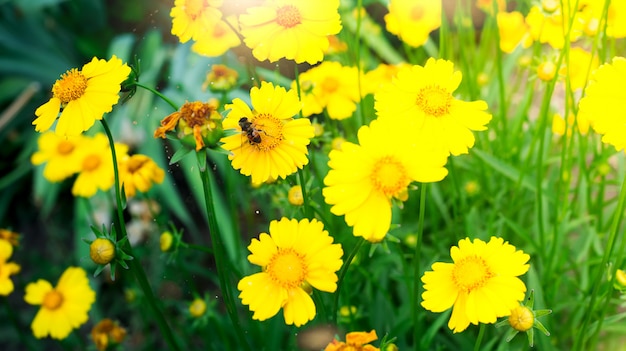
pixel 522 318
pixel 102 251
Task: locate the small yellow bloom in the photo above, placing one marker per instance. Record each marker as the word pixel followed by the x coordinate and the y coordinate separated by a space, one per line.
pixel 413 20
pixel 107 333
pixel 165 241
pixel 61 155
pixel 472 188
pixel 10 236
pixel 138 173
pixel 216 38
pixel 347 311
pixel 336 143
pixel 64 307
pixel 295 195
pixel 355 341
pixel 197 308
pixel 220 78
pixel 513 31
pixel 522 318
pixel 197 118
pixel 82 97
pixel 546 71
pixel 102 251
pixel 7 269
pixel 551 26
pixel 318 130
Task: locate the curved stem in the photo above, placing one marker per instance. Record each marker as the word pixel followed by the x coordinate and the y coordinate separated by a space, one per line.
pixel 342 275
pixel 218 249
pixel 155 92
pixel 417 257
pixel 134 265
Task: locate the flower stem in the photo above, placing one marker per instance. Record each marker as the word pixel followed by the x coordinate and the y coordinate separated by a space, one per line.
pixel 218 249
pixel 479 338
pixel 417 257
pixel 307 207
pixel 155 92
pixel 342 275
pixel 134 265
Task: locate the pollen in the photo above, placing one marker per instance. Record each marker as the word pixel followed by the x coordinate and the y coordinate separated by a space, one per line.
pixel 91 162
pixel 271 130
pixel 287 268
pixel 389 176
pixel 52 300
pixel 70 87
pixel 471 273
pixel 288 16
pixel 434 101
pixel 65 147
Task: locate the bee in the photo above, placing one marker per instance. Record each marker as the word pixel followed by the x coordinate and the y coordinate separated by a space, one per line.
pixel 254 137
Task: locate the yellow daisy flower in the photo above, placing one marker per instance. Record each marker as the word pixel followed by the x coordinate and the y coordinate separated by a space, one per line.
pixel 355 341
pixel 96 170
pixel 63 307
pixel 425 95
pixel 216 38
pixel 295 257
pixel 363 179
pixel 7 269
pixel 60 155
pixel 603 103
pixel 190 18
pixel 332 86
pixel 513 31
pixel 292 29
pixel 413 20
pixel 270 143
pixel 138 173
pixel 380 76
pixel 549 27
pixel 83 96
pixel 481 285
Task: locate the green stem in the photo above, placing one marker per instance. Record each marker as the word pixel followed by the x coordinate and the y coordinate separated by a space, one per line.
pixel 219 250
pixel 417 257
pixel 357 59
pixel 134 265
pixel 307 207
pixel 155 92
pixel 479 339
pixel 600 274
pixel 342 275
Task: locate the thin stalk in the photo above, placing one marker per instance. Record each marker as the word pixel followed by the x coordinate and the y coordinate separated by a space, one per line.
pixel 599 278
pixel 479 339
pixel 134 265
pixel 307 206
pixel 155 92
pixel 417 257
pixel 342 275
pixel 218 248
pixel 357 58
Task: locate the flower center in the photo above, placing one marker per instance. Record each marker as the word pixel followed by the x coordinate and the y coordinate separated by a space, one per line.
pixel 417 12
pixel 52 300
pixel 270 129
pixel 389 176
pixel 70 87
pixel 195 113
pixel 135 164
pixel 65 147
pixel 219 31
pixel 330 84
pixel 287 268
pixel 91 162
pixel 434 101
pixel 288 16
pixel 193 8
pixel 471 273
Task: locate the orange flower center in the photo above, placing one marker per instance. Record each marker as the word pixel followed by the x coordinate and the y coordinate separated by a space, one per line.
pixel 196 113
pixel 52 300
pixel 91 162
pixel 270 130
pixel 219 31
pixel 193 8
pixel 434 100
pixel 471 273
pixel 417 12
pixel 389 176
pixel 330 85
pixel 70 87
pixel 288 16
pixel 65 147
pixel 287 268
pixel 135 164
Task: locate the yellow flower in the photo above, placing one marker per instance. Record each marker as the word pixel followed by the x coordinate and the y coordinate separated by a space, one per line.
pixel 96 166
pixel 513 31
pixel 63 307
pixel 425 95
pixel 550 27
pixel 355 341
pixel 272 144
pixel 197 118
pixel 191 17
pixel 603 103
pixel 481 285
pixel 138 173
pixel 165 241
pixel 107 333
pixel 558 124
pixel 380 76
pixel 546 70
pixel 102 251
pixel 197 308
pixel 295 195
pixel 363 179
pixel 294 255
pixel 83 96
pixel 332 86
pixel 616 19
pixel 6 268
pixel 60 155
pixel 12 237
pixel 220 78
pixel 292 29
pixel 413 20
pixel 579 67
pixel 216 38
